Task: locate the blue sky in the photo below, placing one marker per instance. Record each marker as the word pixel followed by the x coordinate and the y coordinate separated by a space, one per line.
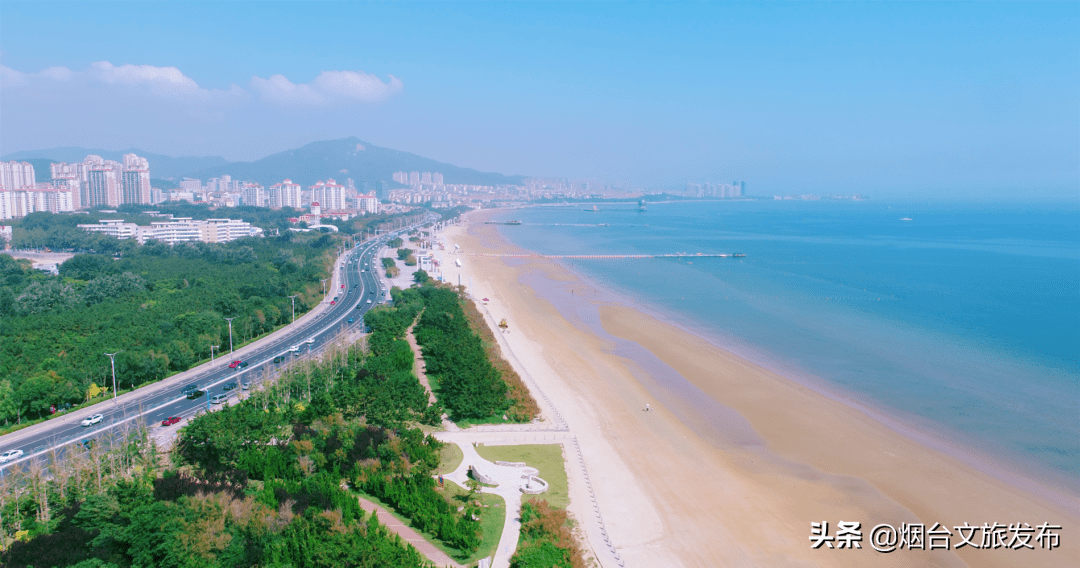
pixel 956 101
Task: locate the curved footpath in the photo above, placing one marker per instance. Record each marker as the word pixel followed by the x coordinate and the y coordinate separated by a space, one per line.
pixel 511 480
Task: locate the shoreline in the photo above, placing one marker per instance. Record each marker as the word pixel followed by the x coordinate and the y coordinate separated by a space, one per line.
pixel 784 478
pixel 1048 484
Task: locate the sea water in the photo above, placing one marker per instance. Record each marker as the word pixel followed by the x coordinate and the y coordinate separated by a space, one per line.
pixel 963 320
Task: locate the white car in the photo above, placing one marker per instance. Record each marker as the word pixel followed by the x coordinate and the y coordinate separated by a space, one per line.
pixel 309 340
pixel 91 420
pixel 219 398
pixel 10 455
pixel 294 349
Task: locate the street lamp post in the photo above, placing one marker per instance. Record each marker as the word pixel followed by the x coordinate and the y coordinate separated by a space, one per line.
pixel 112 362
pixel 212 348
pixel 230 333
pixel 324 285
pixel 293 298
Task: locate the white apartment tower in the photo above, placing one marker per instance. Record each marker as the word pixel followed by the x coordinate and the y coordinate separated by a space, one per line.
pixel 285 194
pixel 70 177
pixel 102 186
pixel 135 180
pixel 16 175
pixel 330 195
pixel 253 194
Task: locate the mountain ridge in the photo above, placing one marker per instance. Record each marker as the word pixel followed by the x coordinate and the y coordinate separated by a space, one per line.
pixel 341 158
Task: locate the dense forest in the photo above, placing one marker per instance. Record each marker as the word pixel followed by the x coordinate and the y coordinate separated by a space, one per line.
pixel 271 481
pixel 469 377
pixel 162 307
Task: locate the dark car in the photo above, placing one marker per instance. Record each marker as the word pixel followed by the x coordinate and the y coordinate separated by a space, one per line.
pixel 170 421
pixel 243 364
pixel 229 386
pixel 189 388
pixel 195 394
pixel 350 320
pixel 278 359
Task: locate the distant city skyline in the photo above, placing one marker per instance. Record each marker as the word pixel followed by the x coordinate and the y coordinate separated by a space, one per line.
pixel 970 101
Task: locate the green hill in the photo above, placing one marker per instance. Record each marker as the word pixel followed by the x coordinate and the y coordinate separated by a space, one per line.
pixel 345 158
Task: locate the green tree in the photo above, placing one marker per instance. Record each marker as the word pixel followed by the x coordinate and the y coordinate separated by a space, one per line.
pixel 9 408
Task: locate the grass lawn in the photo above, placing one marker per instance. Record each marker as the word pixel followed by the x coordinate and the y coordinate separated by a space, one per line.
pixel 491 520
pixel 450 457
pixel 548 458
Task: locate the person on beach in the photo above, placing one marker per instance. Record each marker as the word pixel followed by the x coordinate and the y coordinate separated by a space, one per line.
pixel 646 407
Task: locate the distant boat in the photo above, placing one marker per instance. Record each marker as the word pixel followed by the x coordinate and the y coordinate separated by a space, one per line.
pixel 515 222
pixel 906 219
pixel 594 208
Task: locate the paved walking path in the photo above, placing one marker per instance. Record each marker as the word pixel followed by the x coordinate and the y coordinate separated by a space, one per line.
pixel 408 534
pixel 418 361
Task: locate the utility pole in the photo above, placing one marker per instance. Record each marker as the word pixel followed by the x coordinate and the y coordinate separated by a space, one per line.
pixel 212 348
pixel 112 362
pixel 230 333
pixel 293 298
pixel 324 285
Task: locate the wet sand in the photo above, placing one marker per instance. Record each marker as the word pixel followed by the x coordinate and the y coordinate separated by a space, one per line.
pixel 738 483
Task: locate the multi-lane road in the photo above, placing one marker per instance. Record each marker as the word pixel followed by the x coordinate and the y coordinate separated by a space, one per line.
pixel 358 289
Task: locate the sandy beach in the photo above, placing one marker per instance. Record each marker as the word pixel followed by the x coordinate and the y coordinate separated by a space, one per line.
pixel 738 485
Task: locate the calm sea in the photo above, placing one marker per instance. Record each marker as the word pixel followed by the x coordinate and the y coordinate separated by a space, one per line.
pixel 962 320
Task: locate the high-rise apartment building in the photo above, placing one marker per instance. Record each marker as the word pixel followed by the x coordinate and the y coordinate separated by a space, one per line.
pixel 330 195
pixel 16 175
pixel 285 194
pixel 253 194
pixel 102 187
pixel 437 178
pixel 135 180
pixel 69 177
pixel 367 203
pixel 414 178
pixel 425 177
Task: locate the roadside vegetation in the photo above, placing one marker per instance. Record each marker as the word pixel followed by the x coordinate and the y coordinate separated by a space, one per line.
pixel 270 481
pixel 161 307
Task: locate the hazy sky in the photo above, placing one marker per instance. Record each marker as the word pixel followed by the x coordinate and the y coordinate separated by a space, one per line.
pixel 966 101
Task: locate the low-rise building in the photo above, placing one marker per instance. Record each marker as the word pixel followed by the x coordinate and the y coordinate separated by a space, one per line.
pixel 177 230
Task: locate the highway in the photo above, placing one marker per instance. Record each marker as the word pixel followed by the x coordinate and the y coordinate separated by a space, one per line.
pixel 358 290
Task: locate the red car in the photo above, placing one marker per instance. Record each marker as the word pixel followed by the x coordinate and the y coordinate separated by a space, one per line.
pixel 332 302
pixel 170 421
pixel 234 364
pixel 342 285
